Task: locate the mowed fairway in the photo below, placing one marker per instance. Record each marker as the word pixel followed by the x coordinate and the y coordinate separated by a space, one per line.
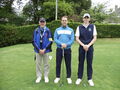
pixel 17 68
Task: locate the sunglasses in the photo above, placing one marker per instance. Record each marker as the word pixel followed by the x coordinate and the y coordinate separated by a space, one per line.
pixel 42 21
pixel 86 17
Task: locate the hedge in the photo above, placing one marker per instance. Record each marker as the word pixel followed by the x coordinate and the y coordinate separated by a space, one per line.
pixel 108 31
pixel 10 35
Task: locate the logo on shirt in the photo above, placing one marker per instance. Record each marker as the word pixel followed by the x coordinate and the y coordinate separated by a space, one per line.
pixel 89 29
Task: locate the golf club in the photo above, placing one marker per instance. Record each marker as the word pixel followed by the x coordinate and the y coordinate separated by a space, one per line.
pixel 84 66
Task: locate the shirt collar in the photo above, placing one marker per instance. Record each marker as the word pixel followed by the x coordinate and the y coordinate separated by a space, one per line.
pixel 42 27
pixel 64 27
pixel 86 25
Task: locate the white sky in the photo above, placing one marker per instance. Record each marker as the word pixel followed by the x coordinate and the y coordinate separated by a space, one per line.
pixel 17 8
pixel 110 3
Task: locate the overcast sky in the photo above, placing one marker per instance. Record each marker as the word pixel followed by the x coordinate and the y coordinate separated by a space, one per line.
pixel 110 3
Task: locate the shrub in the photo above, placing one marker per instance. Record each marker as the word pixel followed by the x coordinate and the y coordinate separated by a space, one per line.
pixel 108 31
pixel 7 35
pixel 10 35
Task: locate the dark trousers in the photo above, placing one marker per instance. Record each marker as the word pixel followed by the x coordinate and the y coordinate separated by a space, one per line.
pixel 89 58
pixel 67 58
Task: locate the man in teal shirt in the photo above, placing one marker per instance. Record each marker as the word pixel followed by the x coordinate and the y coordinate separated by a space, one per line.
pixel 63 37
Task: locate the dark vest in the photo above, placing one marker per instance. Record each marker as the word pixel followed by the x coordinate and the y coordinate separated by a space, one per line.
pixel 86 34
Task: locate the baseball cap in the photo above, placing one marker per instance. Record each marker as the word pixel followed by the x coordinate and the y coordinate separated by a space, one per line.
pixel 42 20
pixel 86 15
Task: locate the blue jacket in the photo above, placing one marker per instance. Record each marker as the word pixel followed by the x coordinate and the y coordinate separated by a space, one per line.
pixel 64 35
pixel 42 41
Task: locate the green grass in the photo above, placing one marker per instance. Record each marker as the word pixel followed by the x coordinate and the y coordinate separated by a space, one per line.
pixel 17 68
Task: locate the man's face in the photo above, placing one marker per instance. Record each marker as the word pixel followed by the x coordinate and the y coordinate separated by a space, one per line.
pixel 86 19
pixel 64 21
pixel 42 23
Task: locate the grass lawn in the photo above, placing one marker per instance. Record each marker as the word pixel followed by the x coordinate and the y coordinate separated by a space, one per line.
pixel 17 68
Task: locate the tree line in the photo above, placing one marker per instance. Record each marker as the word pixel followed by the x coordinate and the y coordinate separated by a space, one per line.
pixel 35 9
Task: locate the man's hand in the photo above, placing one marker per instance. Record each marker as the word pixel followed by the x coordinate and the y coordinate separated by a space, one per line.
pixel 42 51
pixel 63 45
pixel 86 47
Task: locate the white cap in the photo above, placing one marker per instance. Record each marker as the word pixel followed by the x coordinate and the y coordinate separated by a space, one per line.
pixel 86 15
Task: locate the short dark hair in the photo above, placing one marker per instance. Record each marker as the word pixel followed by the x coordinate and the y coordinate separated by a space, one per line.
pixel 64 17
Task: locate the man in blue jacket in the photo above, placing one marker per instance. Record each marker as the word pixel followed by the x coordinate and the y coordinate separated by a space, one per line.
pixel 42 41
pixel 63 37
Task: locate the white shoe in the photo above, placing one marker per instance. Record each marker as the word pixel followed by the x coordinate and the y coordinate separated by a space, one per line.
pixel 78 81
pixel 56 80
pixel 38 80
pixel 46 79
pixel 91 82
pixel 69 80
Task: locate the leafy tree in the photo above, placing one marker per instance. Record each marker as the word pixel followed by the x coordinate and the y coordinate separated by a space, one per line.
pixel 33 9
pixel 6 10
pixel 8 15
pixel 46 9
pixel 63 9
pixel 113 17
pixel 78 5
pixel 98 13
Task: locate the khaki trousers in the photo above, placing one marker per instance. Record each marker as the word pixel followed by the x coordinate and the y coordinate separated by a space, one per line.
pixel 42 59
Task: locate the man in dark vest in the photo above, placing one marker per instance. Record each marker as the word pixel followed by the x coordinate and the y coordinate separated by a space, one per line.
pixel 86 35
